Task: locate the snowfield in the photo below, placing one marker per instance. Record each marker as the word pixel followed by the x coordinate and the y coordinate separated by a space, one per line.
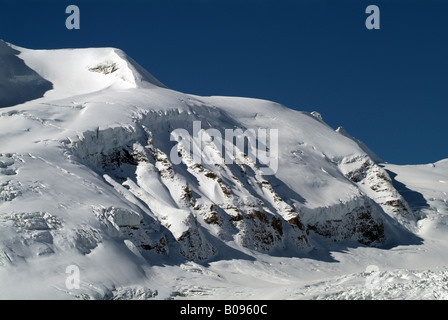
pixel 93 206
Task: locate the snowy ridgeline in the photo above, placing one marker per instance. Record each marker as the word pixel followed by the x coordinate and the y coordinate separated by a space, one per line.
pixel 88 178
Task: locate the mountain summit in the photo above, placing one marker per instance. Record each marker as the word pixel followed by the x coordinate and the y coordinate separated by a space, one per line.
pixel 31 74
pixel 106 169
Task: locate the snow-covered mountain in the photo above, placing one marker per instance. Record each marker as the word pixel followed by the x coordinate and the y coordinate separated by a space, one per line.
pixel 93 174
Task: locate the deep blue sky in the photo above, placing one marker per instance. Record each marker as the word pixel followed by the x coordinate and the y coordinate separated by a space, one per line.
pixel 387 87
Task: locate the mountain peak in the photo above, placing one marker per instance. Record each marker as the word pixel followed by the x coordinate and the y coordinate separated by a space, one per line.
pixel 30 74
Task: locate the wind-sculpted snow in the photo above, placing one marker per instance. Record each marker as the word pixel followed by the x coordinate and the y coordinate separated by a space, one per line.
pixel 95 176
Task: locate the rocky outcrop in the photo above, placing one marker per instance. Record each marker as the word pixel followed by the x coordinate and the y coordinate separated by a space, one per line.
pixel 233 201
pixel 375 182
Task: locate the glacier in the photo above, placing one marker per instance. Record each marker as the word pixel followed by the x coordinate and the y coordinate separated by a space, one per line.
pixel 87 179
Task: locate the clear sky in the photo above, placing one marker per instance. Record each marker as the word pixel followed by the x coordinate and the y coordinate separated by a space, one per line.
pixel 387 87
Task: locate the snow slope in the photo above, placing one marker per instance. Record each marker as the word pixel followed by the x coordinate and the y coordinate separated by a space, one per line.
pixel 15 76
pixel 425 188
pixel 88 179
